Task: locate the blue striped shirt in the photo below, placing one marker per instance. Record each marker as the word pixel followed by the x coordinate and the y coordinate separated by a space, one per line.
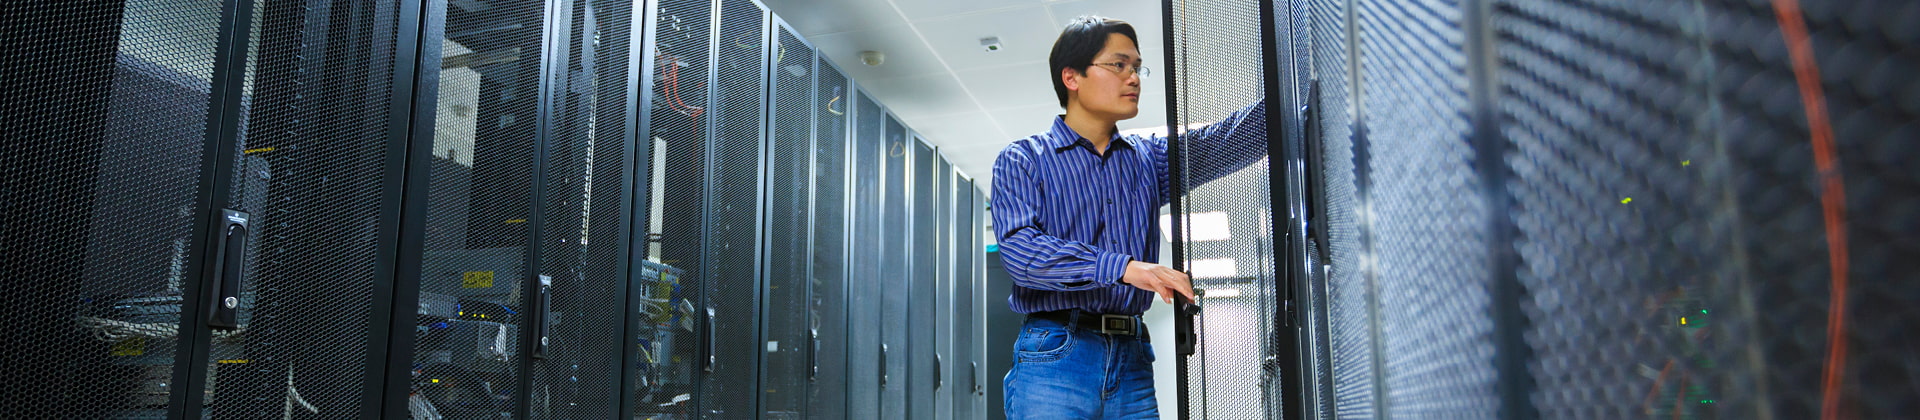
pixel 1069 219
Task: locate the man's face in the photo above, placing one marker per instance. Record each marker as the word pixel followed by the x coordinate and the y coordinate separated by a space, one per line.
pixel 1103 90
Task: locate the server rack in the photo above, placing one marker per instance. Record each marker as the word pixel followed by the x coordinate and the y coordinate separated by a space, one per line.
pixel 831 305
pixel 787 329
pixel 430 209
pixel 867 357
pixel 943 298
pixel 968 331
pixel 736 157
pixel 1544 204
pixel 922 250
pixel 895 280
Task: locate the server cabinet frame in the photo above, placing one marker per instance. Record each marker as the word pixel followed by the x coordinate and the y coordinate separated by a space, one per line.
pixel 769 174
pixel 714 140
pixel 845 137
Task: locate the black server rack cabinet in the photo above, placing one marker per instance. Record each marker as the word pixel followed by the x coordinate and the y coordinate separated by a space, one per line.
pixel 943 299
pixel 672 328
pixel 866 347
pixel 486 117
pixel 214 205
pixel 965 383
pixel 921 247
pixel 787 327
pixel 830 307
pixel 983 302
pixel 1546 205
pixel 735 210
pixel 1234 227
pixel 895 278
pixel 578 319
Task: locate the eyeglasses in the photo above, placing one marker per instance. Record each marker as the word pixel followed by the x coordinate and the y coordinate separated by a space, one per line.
pixel 1127 68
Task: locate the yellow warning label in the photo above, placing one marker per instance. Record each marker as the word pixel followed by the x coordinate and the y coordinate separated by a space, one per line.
pixel 476 279
pixel 130 347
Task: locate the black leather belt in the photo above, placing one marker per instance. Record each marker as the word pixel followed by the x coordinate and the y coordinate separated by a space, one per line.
pixel 1100 323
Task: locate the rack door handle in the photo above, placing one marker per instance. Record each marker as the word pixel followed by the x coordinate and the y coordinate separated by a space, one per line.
pixel 883 365
pixel 223 311
pixel 713 341
pixel 813 355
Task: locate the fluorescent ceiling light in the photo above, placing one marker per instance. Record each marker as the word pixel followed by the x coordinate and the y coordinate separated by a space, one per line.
pixel 1212 268
pixel 1209 226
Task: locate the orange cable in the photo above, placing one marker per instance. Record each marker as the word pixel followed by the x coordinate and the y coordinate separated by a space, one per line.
pixel 1806 71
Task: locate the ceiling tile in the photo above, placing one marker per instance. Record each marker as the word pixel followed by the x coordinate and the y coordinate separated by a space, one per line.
pixel 927 95
pixel 906 56
pixel 815 17
pixel 1026 35
pixel 1010 86
pixel 1145 16
pixel 934 9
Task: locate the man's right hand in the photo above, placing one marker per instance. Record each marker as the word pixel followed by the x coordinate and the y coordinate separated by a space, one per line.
pixel 1158 279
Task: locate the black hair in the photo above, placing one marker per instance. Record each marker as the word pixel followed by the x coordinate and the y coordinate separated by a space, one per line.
pixel 1078 45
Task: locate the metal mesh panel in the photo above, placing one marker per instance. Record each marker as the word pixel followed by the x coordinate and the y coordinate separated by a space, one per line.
pixel 1217 68
pixel 671 326
pixel 1350 301
pixel 895 277
pixel 921 247
pixel 942 293
pixel 1428 237
pixel 829 306
pixel 789 179
pixel 864 360
pixel 968 361
pixel 1707 249
pixel 106 125
pixel 313 177
pixel 1670 223
pixel 584 237
pixel 732 277
pixel 476 259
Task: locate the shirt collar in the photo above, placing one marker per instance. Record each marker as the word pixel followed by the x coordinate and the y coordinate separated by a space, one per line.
pixel 1062 138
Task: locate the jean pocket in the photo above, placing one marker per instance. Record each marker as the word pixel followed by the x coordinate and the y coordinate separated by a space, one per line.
pixel 1042 344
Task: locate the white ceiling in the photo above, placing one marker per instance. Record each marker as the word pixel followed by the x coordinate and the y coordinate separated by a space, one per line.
pixel 939 81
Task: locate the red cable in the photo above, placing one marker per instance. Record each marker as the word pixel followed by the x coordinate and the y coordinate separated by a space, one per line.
pixel 1806 71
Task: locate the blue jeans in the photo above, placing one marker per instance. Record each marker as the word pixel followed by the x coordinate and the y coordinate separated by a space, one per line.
pixel 1064 372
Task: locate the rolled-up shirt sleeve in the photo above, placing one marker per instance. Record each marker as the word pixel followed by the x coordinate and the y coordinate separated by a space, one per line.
pixel 1033 258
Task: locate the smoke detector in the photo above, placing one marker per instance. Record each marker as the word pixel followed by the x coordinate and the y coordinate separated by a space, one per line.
pixel 872 58
pixel 990 44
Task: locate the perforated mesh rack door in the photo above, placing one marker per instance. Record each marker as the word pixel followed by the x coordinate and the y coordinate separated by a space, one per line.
pixel 969 358
pixel 790 179
pixel 1577 209
pixel 921 247
pixel 477 265
pixel 942 292
pixel 1674 143
pixel 672 334
pixel 896 271
pixel 732 279
pixel 864 359
pixel 830 307
pixel 313 172
pixel 585 234
pixel 1223 181
pixel 107 128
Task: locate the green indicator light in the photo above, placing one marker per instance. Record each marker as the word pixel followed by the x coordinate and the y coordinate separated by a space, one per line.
pixel 1706 401
pixel 1703 311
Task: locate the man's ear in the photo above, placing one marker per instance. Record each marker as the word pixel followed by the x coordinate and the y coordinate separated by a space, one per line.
pixel 1070 79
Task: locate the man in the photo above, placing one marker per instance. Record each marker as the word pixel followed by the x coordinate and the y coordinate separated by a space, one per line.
pixel 1074 208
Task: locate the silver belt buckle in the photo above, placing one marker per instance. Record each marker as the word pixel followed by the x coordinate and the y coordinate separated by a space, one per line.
pixel 1117 324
